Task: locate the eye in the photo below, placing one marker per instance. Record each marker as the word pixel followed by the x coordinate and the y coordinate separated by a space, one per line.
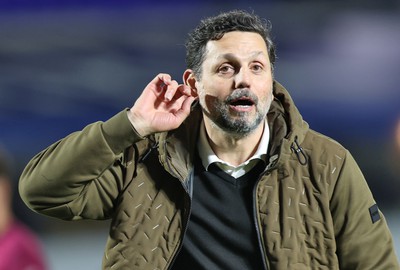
pixel 257 67
pixel 226 69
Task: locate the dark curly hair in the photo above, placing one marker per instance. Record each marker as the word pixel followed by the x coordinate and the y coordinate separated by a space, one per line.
pixel 214 28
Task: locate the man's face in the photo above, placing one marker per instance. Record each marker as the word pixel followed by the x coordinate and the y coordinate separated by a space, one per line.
pixel 235 88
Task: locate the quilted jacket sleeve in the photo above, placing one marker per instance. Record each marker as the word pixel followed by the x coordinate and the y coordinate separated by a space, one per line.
pixel 81 175
pixel 363 238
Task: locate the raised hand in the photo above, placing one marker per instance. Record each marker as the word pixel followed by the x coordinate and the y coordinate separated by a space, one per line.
pixel 163 105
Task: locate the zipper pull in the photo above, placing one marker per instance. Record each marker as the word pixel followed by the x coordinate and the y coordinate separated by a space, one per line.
pixel 147 153
pixel 298 150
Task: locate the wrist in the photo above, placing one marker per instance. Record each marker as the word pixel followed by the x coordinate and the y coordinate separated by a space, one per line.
pixel 137 124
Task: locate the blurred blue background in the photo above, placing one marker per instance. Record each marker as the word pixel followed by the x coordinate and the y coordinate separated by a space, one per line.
pixel 65 64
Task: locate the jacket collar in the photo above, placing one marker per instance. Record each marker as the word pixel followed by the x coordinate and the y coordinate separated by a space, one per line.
pixel 286 124
pixel 177 147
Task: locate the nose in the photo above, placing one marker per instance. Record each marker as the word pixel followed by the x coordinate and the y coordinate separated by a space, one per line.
pixel 243 78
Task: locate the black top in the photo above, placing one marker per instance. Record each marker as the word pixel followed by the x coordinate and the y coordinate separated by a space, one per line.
pixel 221 232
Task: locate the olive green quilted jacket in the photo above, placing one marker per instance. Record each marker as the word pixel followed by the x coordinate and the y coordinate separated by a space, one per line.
pixel 313 208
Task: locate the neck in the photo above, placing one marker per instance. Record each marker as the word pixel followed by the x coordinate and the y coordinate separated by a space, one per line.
pixel 233 149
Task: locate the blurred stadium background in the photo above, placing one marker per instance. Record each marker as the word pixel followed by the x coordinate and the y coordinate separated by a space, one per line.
pixel 65 64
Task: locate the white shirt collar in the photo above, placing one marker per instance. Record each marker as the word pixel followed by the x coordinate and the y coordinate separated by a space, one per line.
pixel 208 156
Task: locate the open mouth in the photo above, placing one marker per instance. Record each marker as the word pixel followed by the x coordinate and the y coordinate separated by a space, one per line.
pixel 242 102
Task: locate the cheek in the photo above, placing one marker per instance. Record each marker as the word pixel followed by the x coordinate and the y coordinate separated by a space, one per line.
pixel 267 97
pixel 270 96
pixel 211 88
pixel 202 97
pixel 265 89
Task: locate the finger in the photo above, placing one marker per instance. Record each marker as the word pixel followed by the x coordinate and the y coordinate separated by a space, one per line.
pixel 172 86
pixel 184 89
pixel 161 81
pixel 186 107
pixel 162 78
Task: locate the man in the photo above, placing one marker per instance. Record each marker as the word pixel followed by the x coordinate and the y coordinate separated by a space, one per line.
pixel 238 181
pixel 19 247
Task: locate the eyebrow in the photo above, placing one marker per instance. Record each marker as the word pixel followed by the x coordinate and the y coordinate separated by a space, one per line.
pixel 231 56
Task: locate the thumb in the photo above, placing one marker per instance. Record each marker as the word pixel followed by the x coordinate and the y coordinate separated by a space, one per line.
pixel 186 108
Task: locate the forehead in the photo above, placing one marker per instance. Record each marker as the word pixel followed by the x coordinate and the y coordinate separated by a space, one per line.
pixel 237 43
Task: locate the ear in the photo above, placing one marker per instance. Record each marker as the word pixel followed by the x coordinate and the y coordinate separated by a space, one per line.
pixel 190 80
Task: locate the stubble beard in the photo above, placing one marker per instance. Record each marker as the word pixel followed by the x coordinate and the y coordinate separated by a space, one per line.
pixel 241 124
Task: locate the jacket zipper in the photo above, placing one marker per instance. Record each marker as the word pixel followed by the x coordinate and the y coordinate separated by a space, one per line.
pixel 181 243
pixel 260 242
pixel 186 209
pixel 267 170
pixel 189 209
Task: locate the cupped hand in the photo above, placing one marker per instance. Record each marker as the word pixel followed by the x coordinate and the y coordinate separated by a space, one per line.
pixel 163 105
